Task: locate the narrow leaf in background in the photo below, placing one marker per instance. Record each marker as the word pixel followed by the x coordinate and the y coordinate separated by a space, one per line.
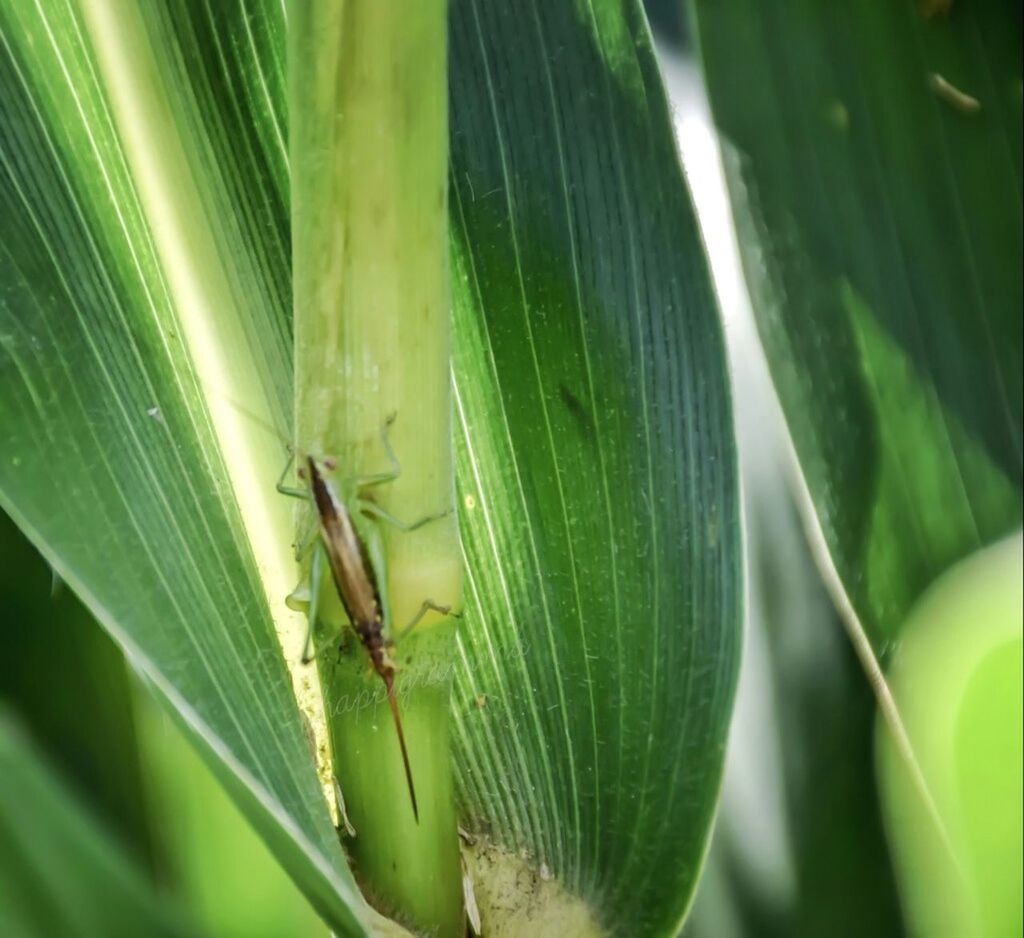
pixel 798 848
pixel 68 685
pixel 873 154
pixel 223 873
pixel 60 874
pixel 874 165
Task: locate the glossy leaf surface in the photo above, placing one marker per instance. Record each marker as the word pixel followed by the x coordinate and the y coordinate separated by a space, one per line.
pixel 596 461
pixel 145 279
pixel 144 315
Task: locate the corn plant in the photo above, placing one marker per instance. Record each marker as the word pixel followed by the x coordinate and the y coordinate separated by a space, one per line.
pixel 434 269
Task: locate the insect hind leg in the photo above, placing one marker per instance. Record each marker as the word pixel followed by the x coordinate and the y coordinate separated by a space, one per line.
pixel 302 547
pixel 428 605
pixel 374 510
pixel 309 653
pixel 307 542
pixel 315 578
pixel 389 475
pixel 370 507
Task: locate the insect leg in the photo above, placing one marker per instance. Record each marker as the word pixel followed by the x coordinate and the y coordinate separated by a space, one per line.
pixel 428 605
pixel 309 653
pixel 290 490
pixel 379 478
pixel 315 576
pixel 303 546
pixel 373 509
pixel 316 568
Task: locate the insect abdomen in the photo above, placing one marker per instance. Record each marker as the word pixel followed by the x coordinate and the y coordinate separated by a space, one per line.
pixel 372 637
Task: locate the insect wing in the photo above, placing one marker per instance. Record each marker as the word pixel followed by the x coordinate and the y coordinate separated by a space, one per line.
pixel 353 575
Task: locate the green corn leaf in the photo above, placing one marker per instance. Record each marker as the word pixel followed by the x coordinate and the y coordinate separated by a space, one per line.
pixel 874 163
pixel 145 296
pixel 60 874
pixel 69 686
pixel 144 324
pixel 596 463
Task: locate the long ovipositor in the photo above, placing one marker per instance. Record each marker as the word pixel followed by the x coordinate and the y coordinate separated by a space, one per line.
pixel 357 587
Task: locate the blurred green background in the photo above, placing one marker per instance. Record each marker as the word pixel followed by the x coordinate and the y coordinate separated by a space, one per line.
pixel 110 824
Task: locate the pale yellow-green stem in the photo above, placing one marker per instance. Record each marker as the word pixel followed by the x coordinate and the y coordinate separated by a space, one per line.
pixel 368 113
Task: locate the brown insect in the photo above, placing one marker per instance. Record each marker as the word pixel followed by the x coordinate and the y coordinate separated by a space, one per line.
pixel 355 554
pixel 356 583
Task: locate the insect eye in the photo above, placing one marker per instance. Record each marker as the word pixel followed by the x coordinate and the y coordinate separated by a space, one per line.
pixel 330 464
pixel 301 472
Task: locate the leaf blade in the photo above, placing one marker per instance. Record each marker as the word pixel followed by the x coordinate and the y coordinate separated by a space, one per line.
pixel 116 473
pixel 595 458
